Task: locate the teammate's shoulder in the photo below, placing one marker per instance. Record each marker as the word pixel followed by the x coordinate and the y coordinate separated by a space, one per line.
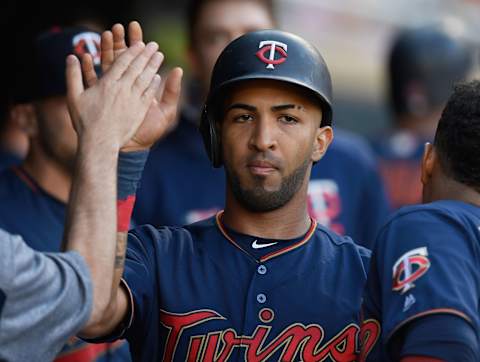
pixel 442 209
pixel 439 222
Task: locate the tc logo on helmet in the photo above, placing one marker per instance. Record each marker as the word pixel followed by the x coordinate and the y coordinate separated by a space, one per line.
pixel 272 47
pixel 87 42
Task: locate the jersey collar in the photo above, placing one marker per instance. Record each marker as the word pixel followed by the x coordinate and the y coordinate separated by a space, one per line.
pixel 304 240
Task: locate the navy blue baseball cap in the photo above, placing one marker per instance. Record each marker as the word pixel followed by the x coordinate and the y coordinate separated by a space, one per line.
pixel 45 74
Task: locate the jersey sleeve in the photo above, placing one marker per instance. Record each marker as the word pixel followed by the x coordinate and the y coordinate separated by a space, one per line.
pixel 48 298
pixel 140 280
pixel 425 263
pixel 454 339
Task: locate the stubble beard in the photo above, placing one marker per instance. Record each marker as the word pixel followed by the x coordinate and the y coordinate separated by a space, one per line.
pixel 257 199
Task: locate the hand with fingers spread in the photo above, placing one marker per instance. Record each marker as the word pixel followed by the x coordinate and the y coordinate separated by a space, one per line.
pixel 112 108
pixel 160 117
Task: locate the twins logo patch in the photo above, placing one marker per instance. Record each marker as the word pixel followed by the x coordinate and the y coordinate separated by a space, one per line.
pixel 87 42
pixel 408 268
pixel 272 47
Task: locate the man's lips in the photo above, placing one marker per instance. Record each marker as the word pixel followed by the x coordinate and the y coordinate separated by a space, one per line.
pixel 261 167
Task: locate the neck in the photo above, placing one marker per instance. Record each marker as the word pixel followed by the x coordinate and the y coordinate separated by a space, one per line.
pixel 48 174
pixel 287 222
pixel 450 189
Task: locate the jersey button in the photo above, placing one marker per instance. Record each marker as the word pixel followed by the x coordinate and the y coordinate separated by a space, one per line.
pixel 261 298
pixel 262 269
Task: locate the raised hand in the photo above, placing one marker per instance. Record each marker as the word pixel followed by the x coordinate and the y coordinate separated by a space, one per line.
pixel 161 115
pixel 113 107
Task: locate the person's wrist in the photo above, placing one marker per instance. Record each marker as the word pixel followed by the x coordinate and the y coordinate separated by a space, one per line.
pixel 135 148
pixel 130 168
pixel 91 143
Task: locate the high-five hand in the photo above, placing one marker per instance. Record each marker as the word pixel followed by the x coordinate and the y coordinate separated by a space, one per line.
pixel 161 115
pixel 113 107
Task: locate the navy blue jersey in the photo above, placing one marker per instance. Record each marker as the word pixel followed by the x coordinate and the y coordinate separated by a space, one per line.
pixel 27 210
pixel 196 293
pixel 426 262
pixel 8 159
pixel 179 185
pixel 399 158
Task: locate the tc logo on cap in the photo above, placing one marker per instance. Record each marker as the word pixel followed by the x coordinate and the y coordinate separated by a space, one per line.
pixel 87 42
pixel 272 47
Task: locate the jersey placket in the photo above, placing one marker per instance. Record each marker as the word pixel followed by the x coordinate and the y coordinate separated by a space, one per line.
pixel 259 306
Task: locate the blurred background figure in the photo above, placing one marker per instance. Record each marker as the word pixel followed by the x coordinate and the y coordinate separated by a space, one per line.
pixel 179 185
pixel 423 65
pixel 13 139
pixel 33 196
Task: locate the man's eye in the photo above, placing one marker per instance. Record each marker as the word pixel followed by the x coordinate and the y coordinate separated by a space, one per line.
pixel 288 119
pixel 243 118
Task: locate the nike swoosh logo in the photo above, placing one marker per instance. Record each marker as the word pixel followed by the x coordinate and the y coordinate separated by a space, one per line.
pixel 255 245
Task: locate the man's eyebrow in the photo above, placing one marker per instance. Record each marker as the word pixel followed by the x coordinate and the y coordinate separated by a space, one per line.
pixel 282 107
pixel 241 106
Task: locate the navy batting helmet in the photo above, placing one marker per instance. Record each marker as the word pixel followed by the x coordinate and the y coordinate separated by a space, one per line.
pixel 264 54
pixel 424 64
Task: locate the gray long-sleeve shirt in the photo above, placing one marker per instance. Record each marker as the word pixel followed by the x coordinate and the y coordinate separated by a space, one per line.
pixel 45 298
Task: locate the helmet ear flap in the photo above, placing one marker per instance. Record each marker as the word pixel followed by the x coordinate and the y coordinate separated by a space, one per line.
pixel 210 138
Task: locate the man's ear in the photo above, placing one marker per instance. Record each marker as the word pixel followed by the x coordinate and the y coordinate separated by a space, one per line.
pixel 428 162
pixel 24 117
pixel 323 138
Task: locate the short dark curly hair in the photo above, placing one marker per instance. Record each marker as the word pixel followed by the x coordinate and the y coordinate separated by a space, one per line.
pixel 457 139
pixel 195 6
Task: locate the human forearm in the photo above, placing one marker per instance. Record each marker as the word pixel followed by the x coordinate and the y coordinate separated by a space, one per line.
pixel 90 227
pixel 130 167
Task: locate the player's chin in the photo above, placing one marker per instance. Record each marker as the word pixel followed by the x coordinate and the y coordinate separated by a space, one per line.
pixel 269 183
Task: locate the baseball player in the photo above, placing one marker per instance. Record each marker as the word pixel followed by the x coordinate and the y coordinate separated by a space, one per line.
pixel 424 282
pixel 45 298
pixel 354 206
pixel 261 280
pixel 423 65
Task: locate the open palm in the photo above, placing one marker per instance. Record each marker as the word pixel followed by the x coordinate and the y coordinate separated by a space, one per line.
pixel 161 116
